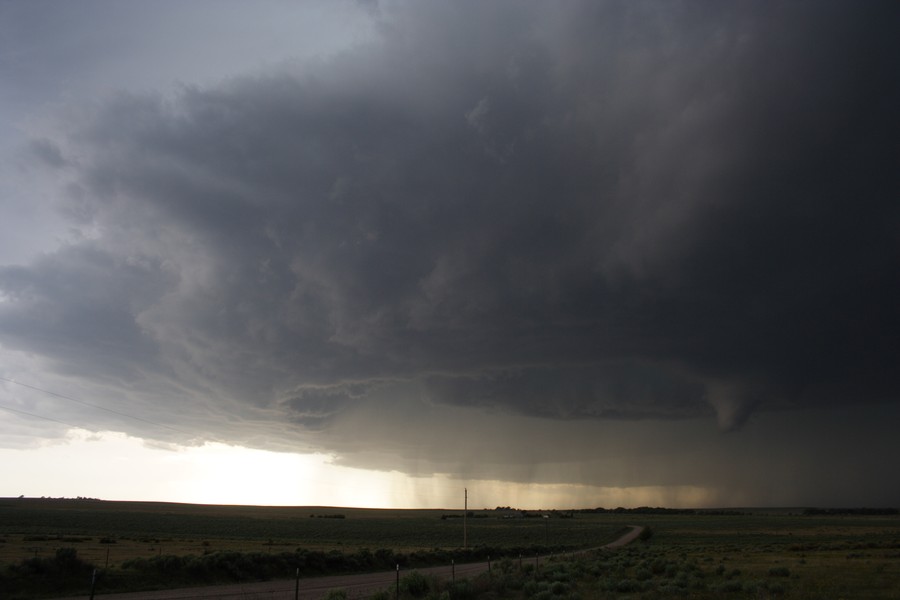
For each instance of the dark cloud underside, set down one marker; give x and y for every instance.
(607, 210)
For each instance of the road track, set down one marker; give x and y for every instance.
(314, 588)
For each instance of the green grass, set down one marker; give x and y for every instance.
(151, 545)
(127, 530)
(763, 555)
(772, 554)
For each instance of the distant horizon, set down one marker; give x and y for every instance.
(874, 509)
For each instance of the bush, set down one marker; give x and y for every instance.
(506, 565)
(775, 588)
(461, 590)
(414, 584)
(668, 589)
(559, 588)
(41, 576)
(730, 587)
(628, 585)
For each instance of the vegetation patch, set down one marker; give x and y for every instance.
(686, 555)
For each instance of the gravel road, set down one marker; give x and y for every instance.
(356, 586)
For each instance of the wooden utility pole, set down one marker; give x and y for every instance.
(465, 516)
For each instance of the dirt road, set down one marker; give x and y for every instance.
(356, 586)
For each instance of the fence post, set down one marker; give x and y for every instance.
(452, 570)
(93, 581)
(297, 585)
(398, 580)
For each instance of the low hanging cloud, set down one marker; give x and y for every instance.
(594, 211)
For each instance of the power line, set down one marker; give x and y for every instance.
(22, 412)
(82, 402)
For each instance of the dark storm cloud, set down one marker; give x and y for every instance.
(79, 307)
(616, 390)
(607, 210)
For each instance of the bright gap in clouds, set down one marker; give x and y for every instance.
(114, 466)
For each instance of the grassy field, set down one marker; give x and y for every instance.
(119, 531)
(759, 554)
(766, 555)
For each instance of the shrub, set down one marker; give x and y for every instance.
(780, 572)
(755, 587)
(730, 587)
(336, 595)
(628, 585)
(65, 571)
(658, 566)
(775, 587)
(514, 583)
(670, 590)
(530, 588)
(414, 584)
(559, 588)
(461, 590)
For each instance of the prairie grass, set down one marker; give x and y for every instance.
(769, 555)
(761, 554)
(702, 557)
(111, 533)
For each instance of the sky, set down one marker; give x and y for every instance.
(559, 254)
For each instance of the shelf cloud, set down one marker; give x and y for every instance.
(593, 214)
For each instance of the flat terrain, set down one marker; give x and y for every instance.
(751, 554)
(356, 586)
(110, 533)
